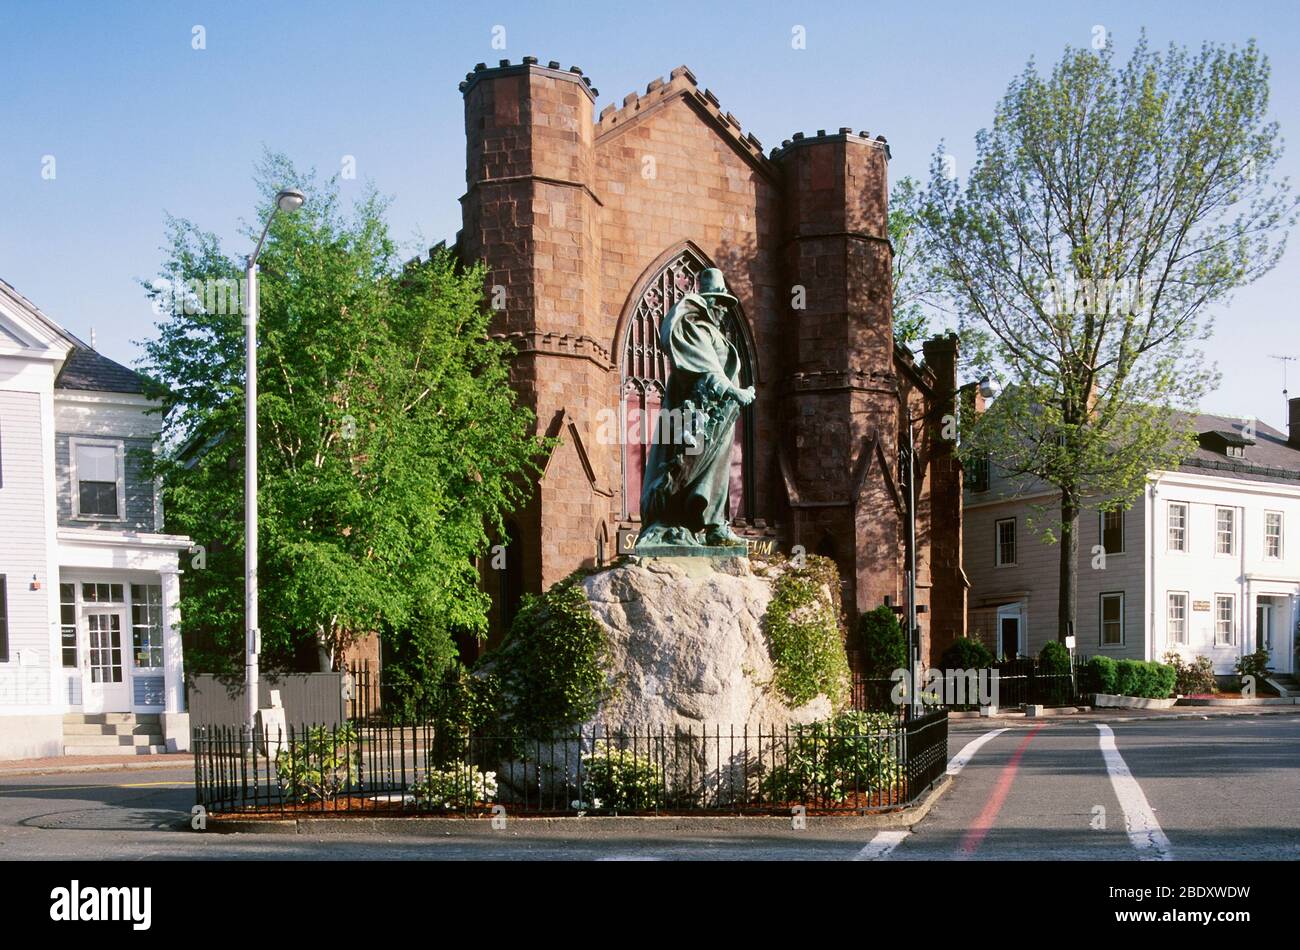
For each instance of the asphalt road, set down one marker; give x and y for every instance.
(1221, 788)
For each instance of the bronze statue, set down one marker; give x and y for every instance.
(684, 494)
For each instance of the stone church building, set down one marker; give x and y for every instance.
(593, 226)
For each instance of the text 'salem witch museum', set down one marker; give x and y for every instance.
(592, 228)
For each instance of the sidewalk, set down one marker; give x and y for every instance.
(1113, 714)
(95, 763)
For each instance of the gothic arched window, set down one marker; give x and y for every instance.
(644, 377)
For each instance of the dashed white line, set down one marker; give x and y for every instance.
(1144, 832)
(968, 751)
(880, 846)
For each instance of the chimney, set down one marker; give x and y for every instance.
(1293, 421)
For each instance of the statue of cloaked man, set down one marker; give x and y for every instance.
(688, 472)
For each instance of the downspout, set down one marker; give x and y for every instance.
(1152, 516)
(1242, 584)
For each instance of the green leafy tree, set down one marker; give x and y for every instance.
(390, 441)
(917, 281)
(1108, 207)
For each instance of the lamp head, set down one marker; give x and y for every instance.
(289, 200)
(988, 387)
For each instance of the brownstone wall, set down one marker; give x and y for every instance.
(573, 214)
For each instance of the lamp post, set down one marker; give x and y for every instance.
(288, 200)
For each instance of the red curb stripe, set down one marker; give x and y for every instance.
(981, 826)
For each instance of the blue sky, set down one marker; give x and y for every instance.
(140, 123)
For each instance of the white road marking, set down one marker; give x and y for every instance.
(880, 846)
(968, 751)
(1144, 832)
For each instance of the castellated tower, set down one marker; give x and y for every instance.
(842, 414)
(529, 212)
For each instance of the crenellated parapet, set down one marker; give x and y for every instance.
(681, 82)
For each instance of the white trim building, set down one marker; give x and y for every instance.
(1205, 562)
(89, 580)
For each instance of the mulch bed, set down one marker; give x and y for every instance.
(363, 806)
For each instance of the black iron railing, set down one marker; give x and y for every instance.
(384, 768)
(1012, 683)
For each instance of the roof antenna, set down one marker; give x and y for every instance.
(1285, 396)
(92, 339)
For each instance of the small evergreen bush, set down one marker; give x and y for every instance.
(881, 643)
(966, 653)
(1054, 658)
(1192, 678)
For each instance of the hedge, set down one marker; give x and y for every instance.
(1140, 678)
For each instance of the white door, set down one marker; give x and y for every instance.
(104, 684)
(1270, 631)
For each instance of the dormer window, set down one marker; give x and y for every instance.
(98, 487)
(1231, 444)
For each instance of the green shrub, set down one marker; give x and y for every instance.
(1054, 658)
(967, 653)
(803, 634)
(456, 785)
(464, 703)
(617, 780)
(1144, 679)
(831, 759)
(1192, 678)
(1253, 664)
(319, 764)
(881, 643)
(551, 666)
(1103, 675)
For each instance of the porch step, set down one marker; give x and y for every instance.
(1286, 684)
(110, 718)
(89, 729)
(112, 734)
(124, 750)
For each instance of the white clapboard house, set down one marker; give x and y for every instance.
(90, 651)
(1205, 562)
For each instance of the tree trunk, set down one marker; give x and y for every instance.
(324, 652)
(1068, 601)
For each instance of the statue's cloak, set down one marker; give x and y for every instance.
(688, 472)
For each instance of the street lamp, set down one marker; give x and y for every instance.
(288, 200)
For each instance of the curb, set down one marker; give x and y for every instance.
(520, 826)
(97, 767)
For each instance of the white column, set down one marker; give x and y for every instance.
(173, 661)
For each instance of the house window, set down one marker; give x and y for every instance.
(102, 594)
(146, 626)
(68, 623)
(1177, 526)
(977, 474)
(1112, 531)
(4, 619)
(1224, 524)
(97, 474)
(1112, 619)
(1225, 620)
(1272, 534)
(1005, 548)
(1176, 624)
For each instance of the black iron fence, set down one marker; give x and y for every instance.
(384, 768)
(1011, 683)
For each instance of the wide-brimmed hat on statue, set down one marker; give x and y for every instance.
(712, 284)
